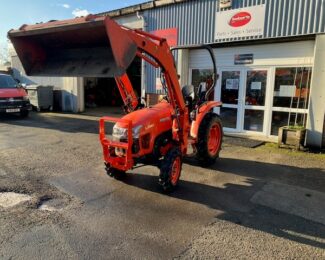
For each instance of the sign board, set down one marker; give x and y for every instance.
(232, 84)
(242, 22)
(241, 59)
(225, 4)
(287, 91)
(256, 85)
(171, 34)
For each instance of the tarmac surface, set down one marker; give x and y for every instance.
(254, 203)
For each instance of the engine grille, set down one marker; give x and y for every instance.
(12, 102)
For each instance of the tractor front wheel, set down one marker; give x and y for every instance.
(209, 139)
(114, 173)
(170, 170)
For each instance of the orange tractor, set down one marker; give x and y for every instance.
(159, 135)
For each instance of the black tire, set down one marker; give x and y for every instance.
(168, 178)
(204, 155)
(24, 113)
(115, 173)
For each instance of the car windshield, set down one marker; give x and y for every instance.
(7, 81)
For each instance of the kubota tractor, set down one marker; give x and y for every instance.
(159, 135)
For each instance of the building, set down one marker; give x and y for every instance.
(270, 58)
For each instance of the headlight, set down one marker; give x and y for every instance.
(25, 98)
(136, 131)
(122, 133)
(119, 133)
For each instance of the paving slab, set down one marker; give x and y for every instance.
(306, 203)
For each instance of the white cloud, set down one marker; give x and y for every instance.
(80, 12)
(65, 6)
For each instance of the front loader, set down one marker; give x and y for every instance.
(160, 135)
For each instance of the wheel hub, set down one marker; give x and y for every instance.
(176, 171)
(214, 139)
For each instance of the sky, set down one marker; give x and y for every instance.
(14, 13)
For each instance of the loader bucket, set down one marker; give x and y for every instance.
(81, 47)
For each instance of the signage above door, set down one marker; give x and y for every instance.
(240, 23)
(241, 59)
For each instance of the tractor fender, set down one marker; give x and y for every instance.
(202, 111)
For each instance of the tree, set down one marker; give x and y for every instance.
(4, 56)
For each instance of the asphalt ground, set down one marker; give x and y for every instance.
(254, 203)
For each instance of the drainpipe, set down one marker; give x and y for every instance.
(143, 63)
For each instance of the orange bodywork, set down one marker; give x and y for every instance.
(202, 111)
(122, 163)
(153, 121)
(128, 95)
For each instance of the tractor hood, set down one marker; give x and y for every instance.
(151, 116)
(82, 47)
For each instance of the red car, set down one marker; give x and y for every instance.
(13, 97)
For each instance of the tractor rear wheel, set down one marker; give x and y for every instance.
(209, 139)
(114, 173)
(170, 170)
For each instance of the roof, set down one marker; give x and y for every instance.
(140, 7)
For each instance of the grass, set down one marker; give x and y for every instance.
(274, 147)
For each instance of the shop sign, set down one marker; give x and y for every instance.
(232, 84)
(171, 34)
(241, 59)
(239, 23)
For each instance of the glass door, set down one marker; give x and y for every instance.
(255, 100)
(230, 94)
(243, 94)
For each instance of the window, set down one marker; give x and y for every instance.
(254, 120)
(230, 83)
(200, 75)
(292, 86)
(228, 117)
(7, 81)
(291, 97)
(280, 119)
(256, 87)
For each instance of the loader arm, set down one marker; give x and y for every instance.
(129, 97)
(158, 49)
(99, 47)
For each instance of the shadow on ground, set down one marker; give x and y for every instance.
(60, 122)
(311, 178)
(233, 200)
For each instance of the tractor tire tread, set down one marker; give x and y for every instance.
(116, 174)
(166, 169)
(203, 154)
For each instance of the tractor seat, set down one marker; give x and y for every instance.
(188, 95)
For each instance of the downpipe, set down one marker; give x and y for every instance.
(143, 63)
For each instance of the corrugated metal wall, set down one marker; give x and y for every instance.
(196, 21)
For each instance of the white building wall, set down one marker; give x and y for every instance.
(276, 54)
(316, 119)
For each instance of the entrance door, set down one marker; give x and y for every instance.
(231, 91)
(255, 100)
(243, 93)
